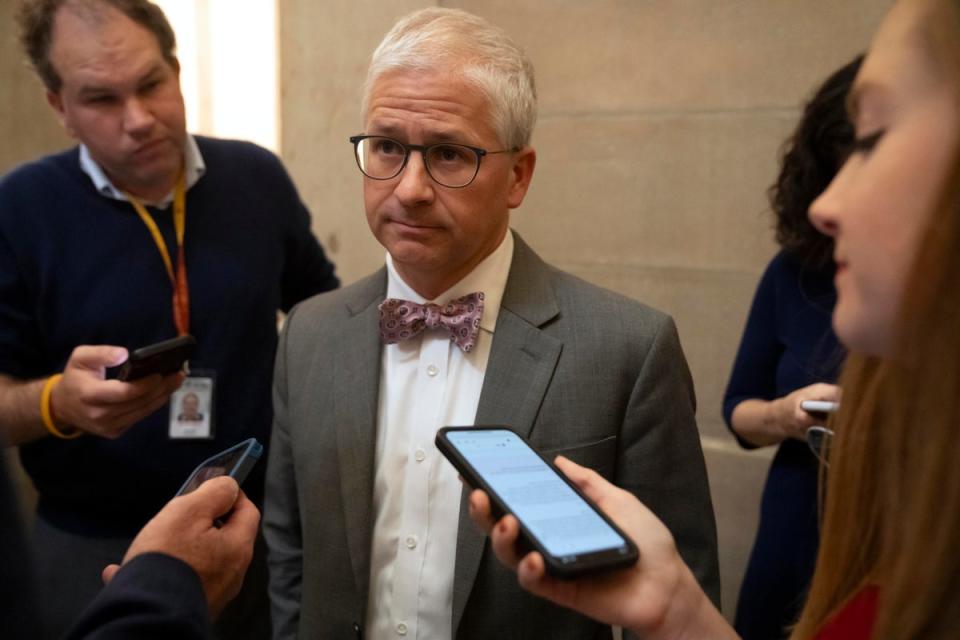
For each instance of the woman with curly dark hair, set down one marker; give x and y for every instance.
(789, 354)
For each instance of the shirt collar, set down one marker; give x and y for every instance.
(195, 168)
(490, 277)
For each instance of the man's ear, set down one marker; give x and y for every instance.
(524, 162)
(56, 103)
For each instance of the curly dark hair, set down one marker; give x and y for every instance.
(812, 156)
(36, 18)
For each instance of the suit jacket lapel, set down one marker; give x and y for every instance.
(522, 362)
(355, 397)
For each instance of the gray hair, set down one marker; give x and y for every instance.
(438, 39)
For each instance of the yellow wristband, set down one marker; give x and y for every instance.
(47, 416)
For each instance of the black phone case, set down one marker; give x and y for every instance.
(162, 357)
(590, 563)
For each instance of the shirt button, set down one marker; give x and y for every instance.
(401, 629)
(411, 542)
(420, 455)
(432, 370)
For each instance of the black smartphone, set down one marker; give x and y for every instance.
(556, 519)
(236, 462)
(162, 357)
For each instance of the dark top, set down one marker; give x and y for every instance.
(788, 343)
(152, 596)
(79, 268)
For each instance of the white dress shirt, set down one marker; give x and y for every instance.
(194, 168)
(425, 383)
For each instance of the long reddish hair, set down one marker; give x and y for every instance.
(892, 498)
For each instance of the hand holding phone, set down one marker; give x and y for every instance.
(164, 358)
(570, 532)
(656, 596)
(186, 528)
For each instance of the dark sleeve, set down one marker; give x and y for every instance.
(754, 372)
(306, 269)
(19, 616)
(154, 596)
(18, 335)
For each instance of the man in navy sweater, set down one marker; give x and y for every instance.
(141, 233)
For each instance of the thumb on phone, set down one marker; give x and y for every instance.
(213, 498)
(96, 358)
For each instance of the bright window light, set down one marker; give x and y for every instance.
(228, 66)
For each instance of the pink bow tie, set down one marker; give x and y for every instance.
(402, 319)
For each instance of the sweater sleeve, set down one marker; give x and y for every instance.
(20, 352)
(754, 372)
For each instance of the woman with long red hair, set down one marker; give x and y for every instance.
(889, 562)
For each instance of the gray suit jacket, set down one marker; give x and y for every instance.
(577, 369)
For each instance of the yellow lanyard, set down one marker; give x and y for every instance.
(178, 278)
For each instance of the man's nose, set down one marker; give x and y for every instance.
(415, 186)
(137, 116)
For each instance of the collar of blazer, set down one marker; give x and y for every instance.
(529, 293)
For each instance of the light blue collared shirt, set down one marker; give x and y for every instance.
(195, 168)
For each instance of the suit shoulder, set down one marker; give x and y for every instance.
(339, 303)
(586, 300)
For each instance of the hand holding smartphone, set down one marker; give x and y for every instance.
(570, 532)
(164, 358)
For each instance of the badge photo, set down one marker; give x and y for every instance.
(191, 408)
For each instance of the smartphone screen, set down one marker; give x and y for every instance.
(550, 509)
(235, 461)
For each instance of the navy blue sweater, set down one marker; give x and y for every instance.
(79, 268)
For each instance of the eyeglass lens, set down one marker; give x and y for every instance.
(451, 165)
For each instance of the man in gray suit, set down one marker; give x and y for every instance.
(365, 520)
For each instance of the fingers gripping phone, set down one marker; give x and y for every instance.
(162, 357)
(556, 519)
(236, 462)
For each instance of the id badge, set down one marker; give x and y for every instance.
(191, 407)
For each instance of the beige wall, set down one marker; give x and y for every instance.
(659, 126)
(27, 126)
(658, 131)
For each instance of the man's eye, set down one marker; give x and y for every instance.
(387, 147)
(450, 154)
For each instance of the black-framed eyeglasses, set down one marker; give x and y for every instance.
(452, 165)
